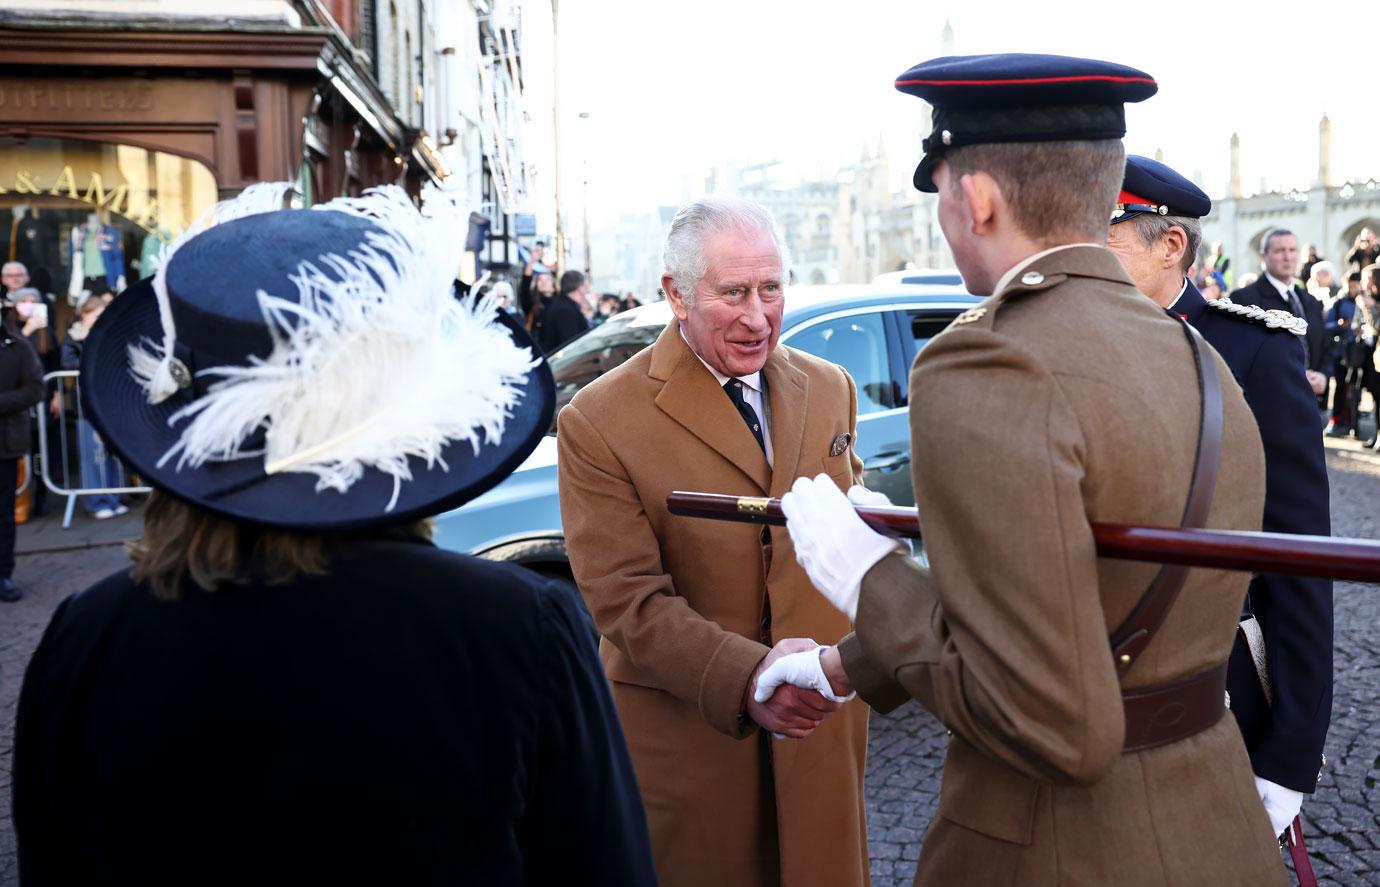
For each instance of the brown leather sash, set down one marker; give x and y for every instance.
(1170, 712)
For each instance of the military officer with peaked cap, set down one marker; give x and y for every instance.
(1084, 698)
(1155, 232)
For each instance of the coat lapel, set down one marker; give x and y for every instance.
(692, 397)
(788, 391)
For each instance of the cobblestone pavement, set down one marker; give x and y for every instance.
(1341, 821)
(906, 748)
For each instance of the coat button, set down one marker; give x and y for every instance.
(1032, 278)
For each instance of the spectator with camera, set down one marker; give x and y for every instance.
(1364, 251)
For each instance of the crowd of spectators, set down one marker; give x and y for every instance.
(1351, 321)
(556, 307)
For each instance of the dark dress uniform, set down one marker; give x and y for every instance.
(1264, 294)
(1285, 738)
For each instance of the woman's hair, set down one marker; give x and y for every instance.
(182, 542)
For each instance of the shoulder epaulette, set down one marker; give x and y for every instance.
(1274, 318)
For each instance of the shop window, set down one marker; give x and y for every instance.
(84, 215)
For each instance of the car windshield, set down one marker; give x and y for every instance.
(600, 350)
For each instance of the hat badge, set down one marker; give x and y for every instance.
(946, 137)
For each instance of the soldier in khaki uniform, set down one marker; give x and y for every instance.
(1088, 744)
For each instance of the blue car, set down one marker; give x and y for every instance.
(872, 331)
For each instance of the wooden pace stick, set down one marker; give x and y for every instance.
(1357, 560)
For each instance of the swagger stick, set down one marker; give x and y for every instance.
(1355, 559)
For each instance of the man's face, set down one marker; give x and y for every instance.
(735, 320)
(1282, 257)
(957, 224)
(14, 277)
(1135, 256)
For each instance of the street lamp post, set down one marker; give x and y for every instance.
(556, 130)
(584, 199)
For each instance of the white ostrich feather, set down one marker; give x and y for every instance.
(153, 368)
(373, 365)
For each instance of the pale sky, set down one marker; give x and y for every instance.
(673, 89)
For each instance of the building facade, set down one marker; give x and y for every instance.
(127, 119)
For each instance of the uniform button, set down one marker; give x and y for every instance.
(1032, 278)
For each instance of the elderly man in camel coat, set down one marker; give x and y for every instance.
(690, 611)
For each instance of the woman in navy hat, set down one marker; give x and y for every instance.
(290, 685)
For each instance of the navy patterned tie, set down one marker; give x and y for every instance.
(734, 388)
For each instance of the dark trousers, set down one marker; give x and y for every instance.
(9, 479)
(1341, 396)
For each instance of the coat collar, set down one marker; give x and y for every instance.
(1190, 304)
(692, 397)
(1050, 268)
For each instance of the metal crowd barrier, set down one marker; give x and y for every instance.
(63, 455)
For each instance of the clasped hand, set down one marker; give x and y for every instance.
(784, 709)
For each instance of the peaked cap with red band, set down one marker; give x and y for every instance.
(1020, 97)
(1151, 187)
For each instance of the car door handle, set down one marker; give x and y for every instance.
(886, 462)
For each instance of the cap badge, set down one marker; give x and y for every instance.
(178, 372)
(970, 315)
(946, 137)
(1032, 278)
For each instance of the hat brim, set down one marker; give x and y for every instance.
(141, 433)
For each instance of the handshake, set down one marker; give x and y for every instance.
(796, 686)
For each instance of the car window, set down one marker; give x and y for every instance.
(925, 326)
(596, 352)
(858, 344)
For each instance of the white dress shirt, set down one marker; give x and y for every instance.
(752, 393)
(1285, 290)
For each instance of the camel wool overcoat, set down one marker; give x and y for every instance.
(687, 608)
(1066, 398)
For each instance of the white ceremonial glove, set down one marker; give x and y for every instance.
(1282, 804)
(860, 495)
(800, 670)
(831, 542)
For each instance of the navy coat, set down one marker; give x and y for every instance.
(417, 717)
(1264, 294)
(1295, 613)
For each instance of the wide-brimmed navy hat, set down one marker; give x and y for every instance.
(312, 368)
(1151, 187)
(1020, 97)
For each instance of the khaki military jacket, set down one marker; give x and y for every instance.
(680, 604)
(1066, 398)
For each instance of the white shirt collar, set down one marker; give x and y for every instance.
(1284, 288)
(1025, 263)
(752, 380)
(1183, 289)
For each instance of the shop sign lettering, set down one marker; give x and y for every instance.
(40, 96)
(115, 198)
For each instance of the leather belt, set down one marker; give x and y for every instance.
(1169, 712)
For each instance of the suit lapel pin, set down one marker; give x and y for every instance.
(840, 444)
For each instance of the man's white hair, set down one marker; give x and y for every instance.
(697, 221)
(14, 265)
